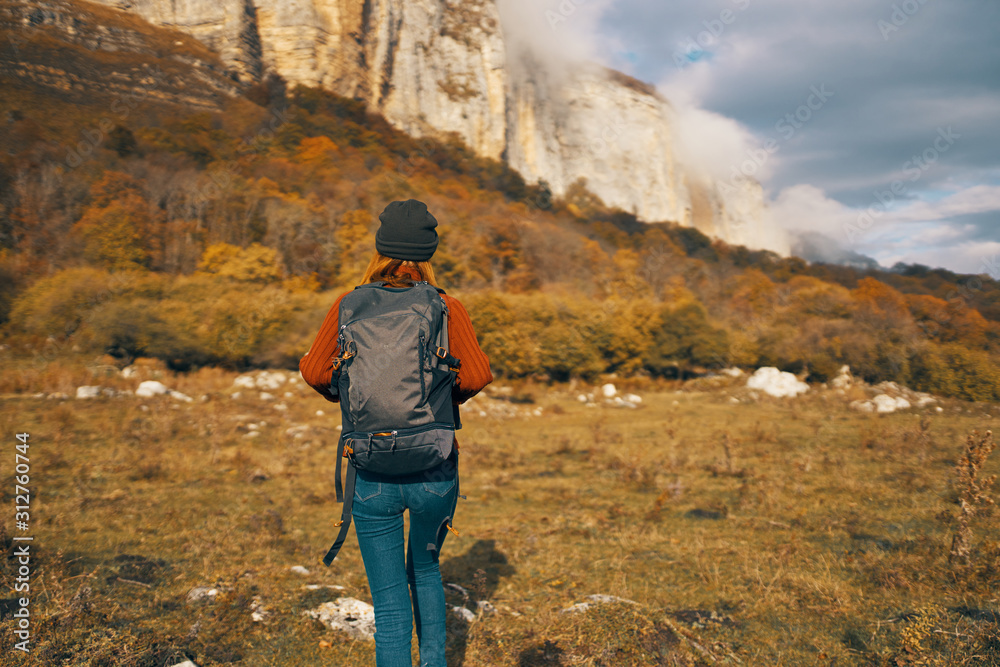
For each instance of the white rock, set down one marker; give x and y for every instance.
(844, 378)
(129, 372)
(298, 569)
(258, 612)
(608, 390)
(633, 398)
(186, 663)
(885, 403)
(464, 613)
(923, 400)
(88, 391)
(776, 383)
(265, 396)
(316, 587)
(939, 409)
(595, 600)
(151, 388)
(354, 617)
(320, 413)
(270, 380)
(863, 406)
(732, 372)
(485, 607)
(582, 398)
(734, 400)
(199, 593)
(180, 397)
(244, 381)
(236, 395)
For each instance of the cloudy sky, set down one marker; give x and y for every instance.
(874, 122)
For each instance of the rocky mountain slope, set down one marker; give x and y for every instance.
(88, 54)
(436, 66)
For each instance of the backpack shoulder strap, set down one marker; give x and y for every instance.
(345, 515)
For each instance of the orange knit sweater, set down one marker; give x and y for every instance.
(316, 366)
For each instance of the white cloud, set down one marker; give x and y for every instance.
(915, 232)
(977, 199)
(710, 144)
(967, 257)
(558, 32)
(807, 208)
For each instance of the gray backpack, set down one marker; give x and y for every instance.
(394, 378)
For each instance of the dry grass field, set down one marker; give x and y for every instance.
(763, 532)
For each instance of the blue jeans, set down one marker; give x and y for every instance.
(379, 502)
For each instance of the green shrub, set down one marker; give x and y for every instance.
(685, 337)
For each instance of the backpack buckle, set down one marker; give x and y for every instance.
(440, 353)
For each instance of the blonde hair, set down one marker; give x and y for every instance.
(391, 271)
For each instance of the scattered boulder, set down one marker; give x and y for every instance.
(258, 612)
(593, 600)
(150, 388)
(609, 390)
(844, 378)
(268, 380)
(464, 613)
(620, 402)
(886, 403)
(95, 391)
(88, 392)
(352, 616)
(732, 372)
(298, 569)
(776, 383)
(186, 663)
(244, 382)
(203, 594)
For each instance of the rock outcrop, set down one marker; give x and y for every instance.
(437, 67)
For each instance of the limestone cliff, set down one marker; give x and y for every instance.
(437, 66)
(89, 54)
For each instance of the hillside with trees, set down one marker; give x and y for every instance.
(221, 237)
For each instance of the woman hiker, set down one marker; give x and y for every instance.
(404, 244)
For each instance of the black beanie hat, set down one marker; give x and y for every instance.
(407, 231)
